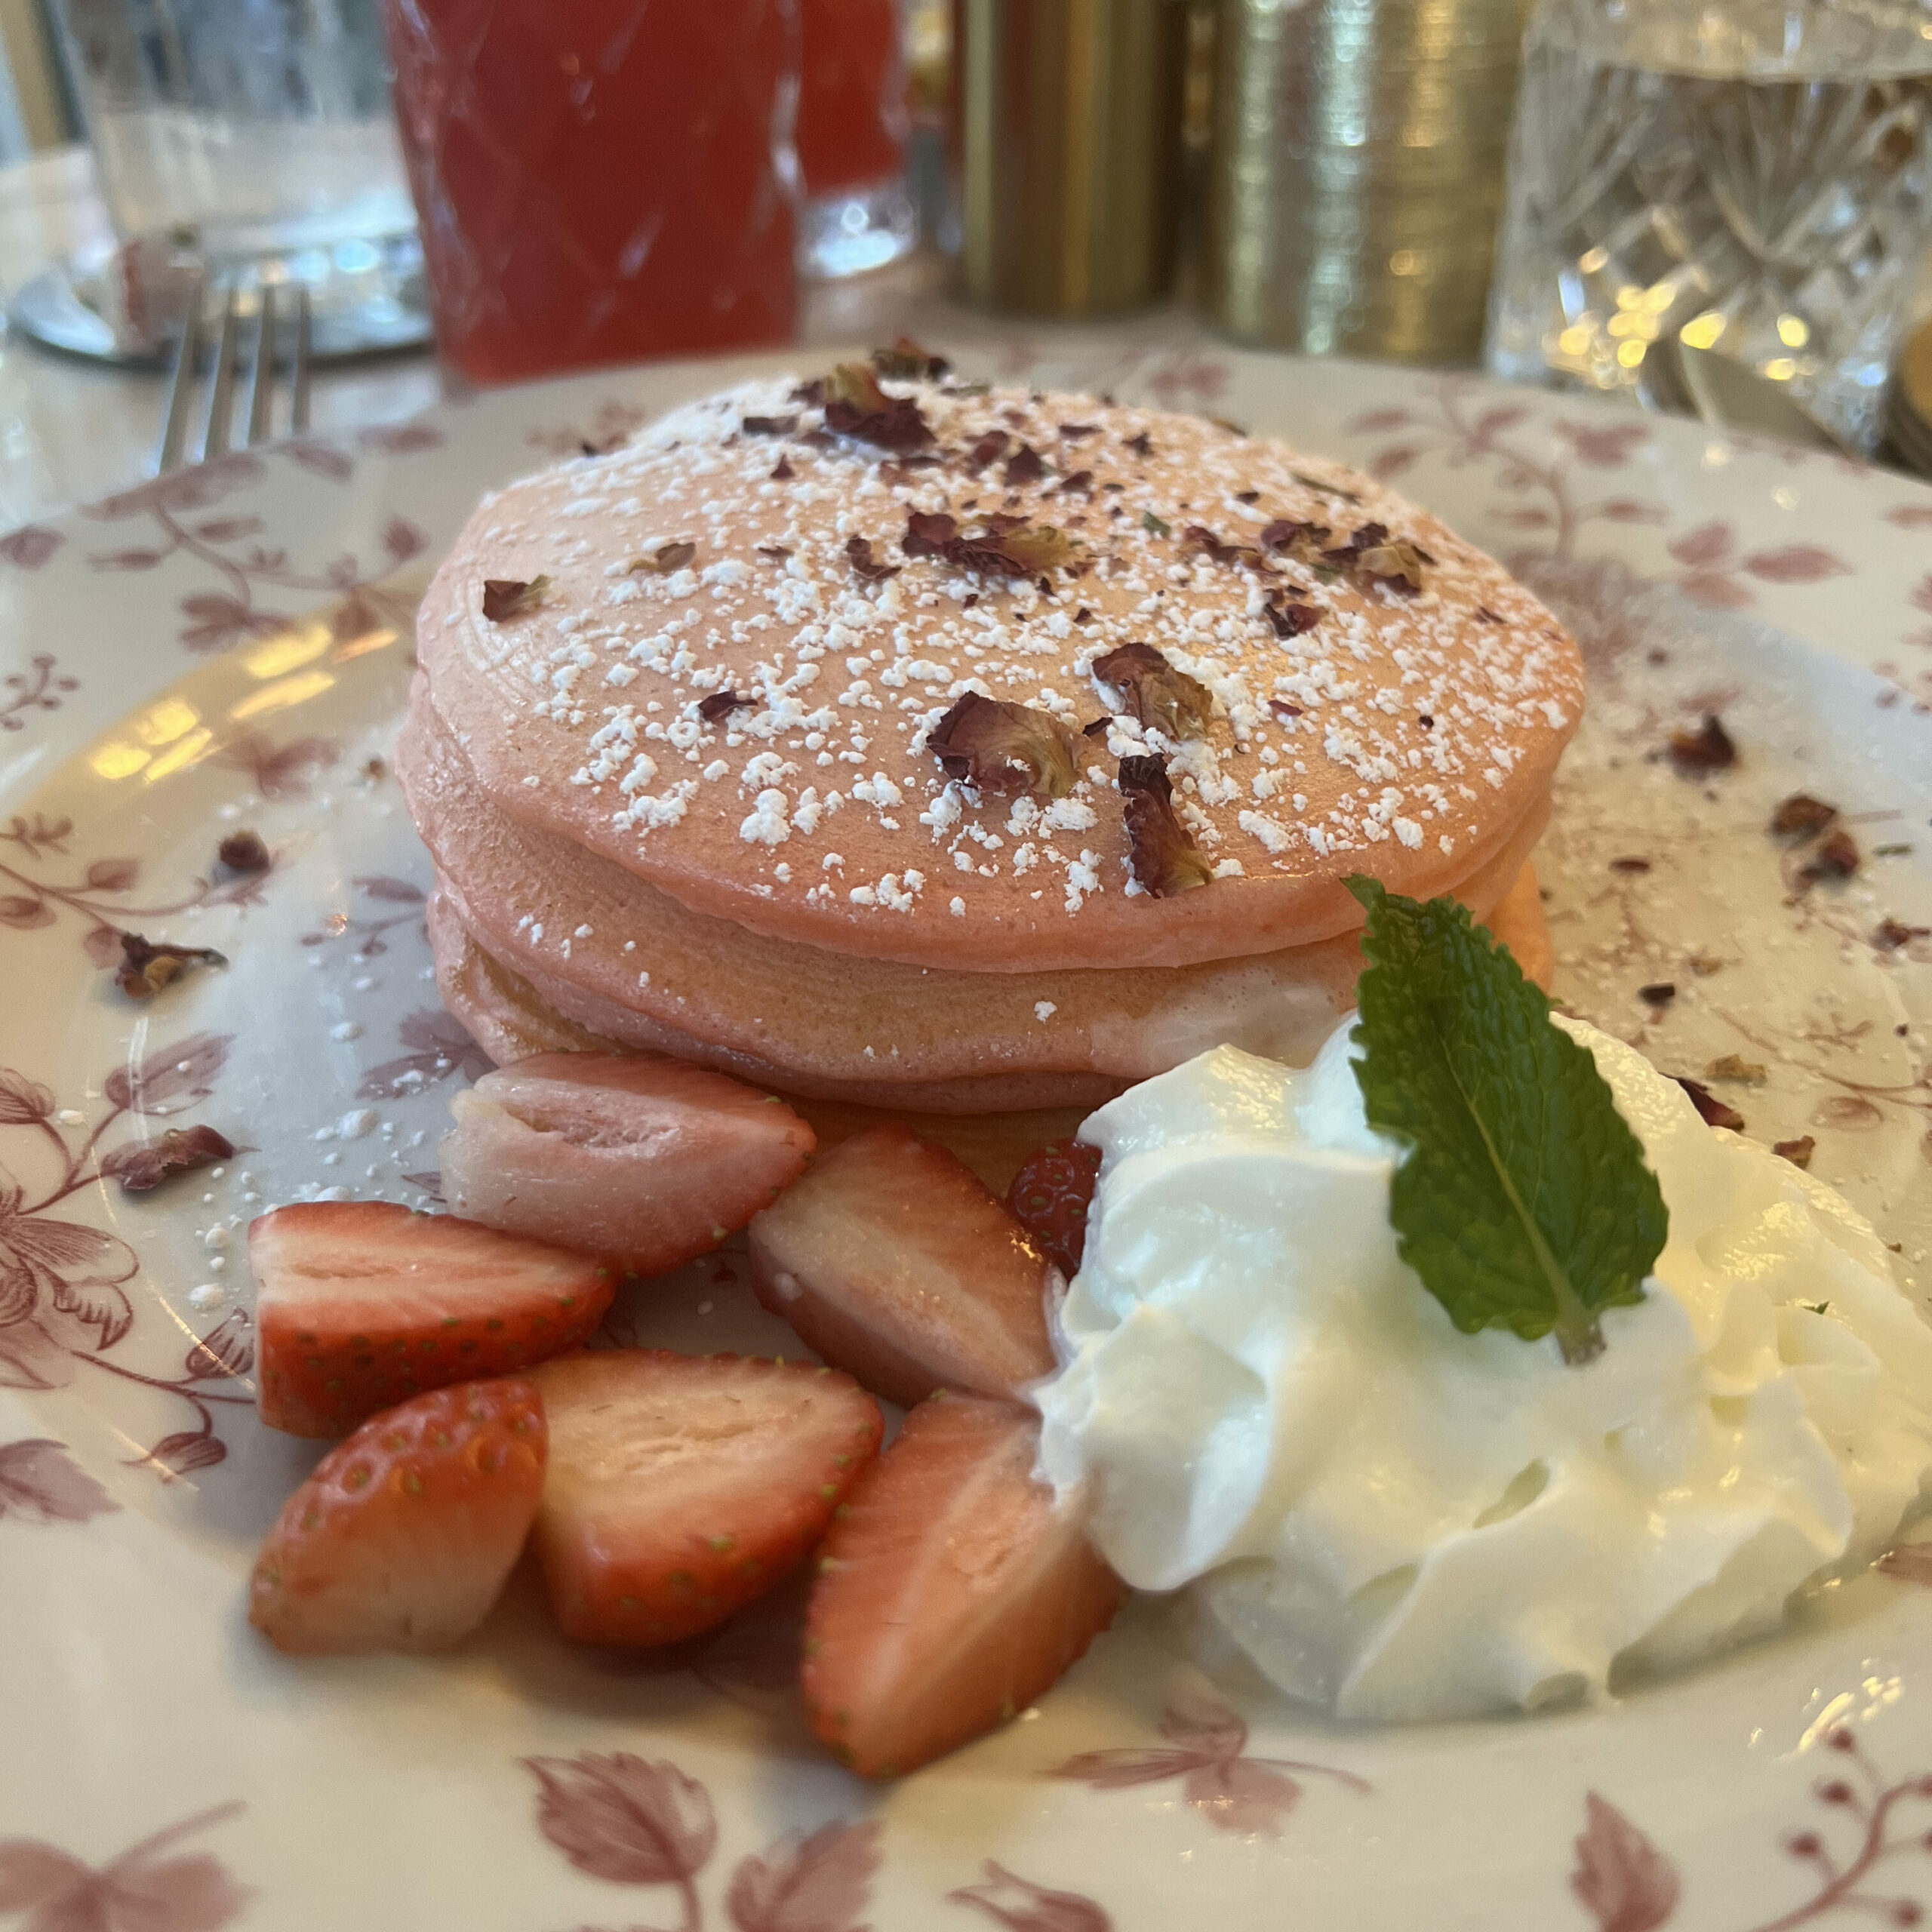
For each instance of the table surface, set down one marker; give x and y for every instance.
(72, 431)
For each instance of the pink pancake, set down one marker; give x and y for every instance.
(606, 951)
(1412, 736)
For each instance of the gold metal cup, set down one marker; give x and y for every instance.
(1357, 173)
(1068, 128)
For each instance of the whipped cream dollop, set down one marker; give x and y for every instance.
(1398, 1521)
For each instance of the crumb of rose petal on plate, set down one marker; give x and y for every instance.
(361, 1304)
(403, 1535)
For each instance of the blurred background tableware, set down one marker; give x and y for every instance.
(238, 407)
(853, 125)
(252, 139)
(1067, 134)
(1751, 179)
(1910, 418)
(600, 180)
(1356, 173)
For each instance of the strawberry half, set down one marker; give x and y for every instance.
(1050, 1196)
(361, 1304)
(649, 1161)
(892, 1260)
(683, 1486)
(951, 1591)
(401, 1537)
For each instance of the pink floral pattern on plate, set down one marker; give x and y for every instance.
(29, 900)
(150, 1887)
(39, 687)
(1627, 1884)
(64, 1303)
(1207, 1748)
(1019, 1904)
(40, 1482)
(227, 545)
(632, 1822)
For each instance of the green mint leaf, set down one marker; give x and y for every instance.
(1524, 1202)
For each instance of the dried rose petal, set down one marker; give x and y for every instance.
(1080, 484)
(1024, 466)
(1164, 859)
(1399, 564)
(1000, 546)
(244, 852)
(1798, 1153)
(1745, 1072)
(775, 553)
(1040, 548)
(769, 425)
(1281, 708)
(1291, 619)
(1711, 1110)
(1707, 748)
(1157, 693)
(1892, 934)
(856, 406)
(1631, 866)
(1836, 857)
(1801, 815)
(179, 1151)
(1074, 431)
(1201, 538)
(504, 598)
(1303, 539)
(989, 448)
(782, 471)
(928, 533)
(1345, 556)
(145, 967)
(664, 561)
(1661, 994)
(1140, 444)
(858, 555)
(906, 361)
(1001, 749)
(721, 704)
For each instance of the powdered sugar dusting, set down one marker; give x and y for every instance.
(769, 681)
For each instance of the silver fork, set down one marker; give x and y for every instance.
(246, 352)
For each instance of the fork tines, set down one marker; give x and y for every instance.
(248, 348)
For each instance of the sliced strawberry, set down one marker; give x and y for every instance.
(1050, 1197)
(891, 1259)
(650, 1161)
(360, 1304)
(951, 1591)
(683, 1486)
(402, 1536)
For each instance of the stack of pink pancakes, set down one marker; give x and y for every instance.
(794, 738)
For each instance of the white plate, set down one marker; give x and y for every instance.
(161, 1771)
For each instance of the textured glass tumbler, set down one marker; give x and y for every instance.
(251, 130)
(600, 180)
(853, 126)
(1749, 179)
